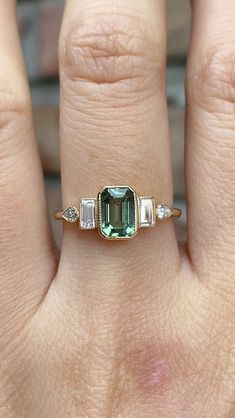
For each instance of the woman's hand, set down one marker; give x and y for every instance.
(136, 329)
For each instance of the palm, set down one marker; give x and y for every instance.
(134, 329)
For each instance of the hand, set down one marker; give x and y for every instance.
(136, 329)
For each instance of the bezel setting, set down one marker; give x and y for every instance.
(118, 214)
(163, 212)
(90, 222)
(71, 214)
(149, 221)
(100, 220)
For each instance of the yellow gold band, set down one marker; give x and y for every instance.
(59, 214)
(117, 212)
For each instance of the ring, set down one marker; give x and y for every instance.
(118, 213)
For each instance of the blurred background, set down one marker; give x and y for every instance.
(39, 22)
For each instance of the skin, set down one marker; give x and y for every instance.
(140, 329)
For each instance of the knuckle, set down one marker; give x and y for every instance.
(212, 82)
(117, 50)
(15, 121)
(15, 129)
(13, 108)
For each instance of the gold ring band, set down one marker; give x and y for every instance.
(176, 213)
(59, 214)
(117, 213)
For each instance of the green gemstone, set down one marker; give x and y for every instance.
(118, 212)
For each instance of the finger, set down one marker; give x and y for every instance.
(114, 125)
(25, 251)
(210, 136)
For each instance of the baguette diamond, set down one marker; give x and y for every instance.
(147, 212)
(87, 214)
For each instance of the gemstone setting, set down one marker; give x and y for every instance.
(71, 214)
(163, 212)
(118, 212)
(88, 213)
(147, 212)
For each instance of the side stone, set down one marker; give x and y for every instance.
(147, 212)
(87, 214)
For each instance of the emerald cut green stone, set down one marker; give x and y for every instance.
(117, 212)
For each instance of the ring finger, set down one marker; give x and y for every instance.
(114, 124)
